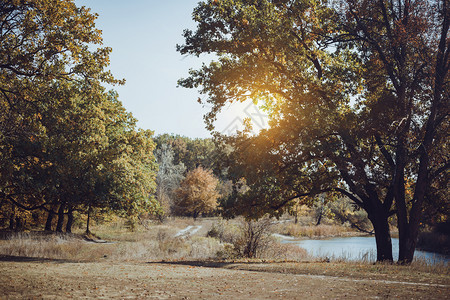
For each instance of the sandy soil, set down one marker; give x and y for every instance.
(25, 278)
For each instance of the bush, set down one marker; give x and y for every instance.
(254, 238)
(248, 238)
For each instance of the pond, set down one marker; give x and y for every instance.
(358, 248)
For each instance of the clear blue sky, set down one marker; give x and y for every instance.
(143, 35)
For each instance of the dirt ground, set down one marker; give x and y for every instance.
(27, 278)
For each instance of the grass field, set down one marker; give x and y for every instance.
(153, 262)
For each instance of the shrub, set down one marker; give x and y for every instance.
(254, 238)
(248, 238)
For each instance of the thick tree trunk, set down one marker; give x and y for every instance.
(59, 225)
(408, 224)
(382, 238)
(408, 234)
(69, 220)
(48, 223)
(408, 241)
(407, 248)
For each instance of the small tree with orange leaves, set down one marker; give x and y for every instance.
(197, 193)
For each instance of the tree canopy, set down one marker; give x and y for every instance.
(191, 152)
(65, 142)
(357, 93)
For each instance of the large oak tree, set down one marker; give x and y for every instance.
(358, 97)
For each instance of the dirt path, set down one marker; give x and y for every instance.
(28, 278)
(190, 230)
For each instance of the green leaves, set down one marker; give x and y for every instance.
(353, 90)
(64, 140)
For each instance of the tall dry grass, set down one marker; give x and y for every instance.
(156, 243)
(161, 244)
(54, 246)
(311, 231)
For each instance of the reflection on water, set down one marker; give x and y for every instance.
(357, 248)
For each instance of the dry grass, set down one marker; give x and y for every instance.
(311, 231)
(55, 246)
(162, 245)
(284, 252)
(415, 272)
(184, 280)
(156, 243)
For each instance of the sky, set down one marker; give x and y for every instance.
(143, 35)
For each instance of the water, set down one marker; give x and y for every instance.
(359, 248)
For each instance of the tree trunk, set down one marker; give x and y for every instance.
(319, 219)
(408, 242)
(19, 224)
(407, 248)
(408, 225)
(321, 209)
(12, 217)
(69, 220)
(48, 224)
(11, 222)
(382, 237)
(59, 225)
(88, 220)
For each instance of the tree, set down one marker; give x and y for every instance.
(168, 179)
(66, 144)
(191, 152)
(344, 211)
(42, 44)
(197, 193)
(356, 91)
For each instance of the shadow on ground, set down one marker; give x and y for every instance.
(217, 264)
(25, 259)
